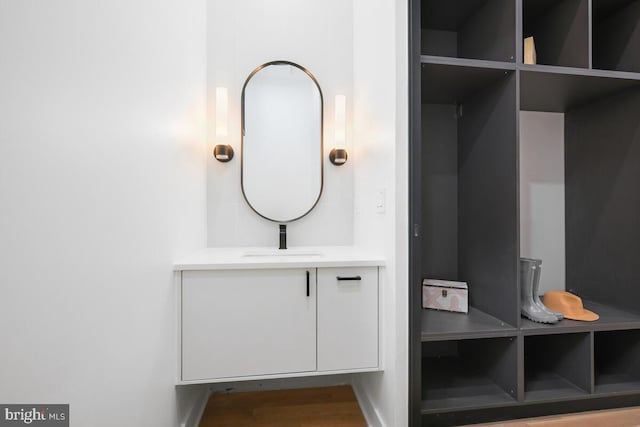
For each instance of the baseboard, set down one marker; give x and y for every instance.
(197, 409)
(371, 414)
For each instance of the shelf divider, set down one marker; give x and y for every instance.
(465, 62)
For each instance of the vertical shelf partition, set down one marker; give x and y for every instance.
(467, 93)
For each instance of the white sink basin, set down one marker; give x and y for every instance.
(282, 253)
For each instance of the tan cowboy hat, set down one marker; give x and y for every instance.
(570, 305)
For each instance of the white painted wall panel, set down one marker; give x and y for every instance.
(102, 187)
(241, 36)
(381, 151)
(542, 203)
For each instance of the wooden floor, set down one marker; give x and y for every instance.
(311, 407)
(338, 407)
(629, 417)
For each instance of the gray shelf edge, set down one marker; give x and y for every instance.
(469, 335)
(537, 68)
(446, 410)
(466, 62)
(597, 394)
(580, 329)
(526, 332)
(574, 71)
(567, 398)
(586, 396)
(631, 322)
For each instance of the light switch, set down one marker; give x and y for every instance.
(381, 202)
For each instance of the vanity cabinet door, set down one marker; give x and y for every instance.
(247, 322)
(347, 318)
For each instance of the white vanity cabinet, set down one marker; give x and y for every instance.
(347, 318)
(248, 322)
(259, 320)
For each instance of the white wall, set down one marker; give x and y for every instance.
(241, 36)
(102, 182)
(381, 158)
(542, 207)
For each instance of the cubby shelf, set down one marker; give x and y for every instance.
(467, 374)
(548, 386)
(616, 39)
(438, 325)
(560, 29)
(557, 366)
(475, 92)
(465, 62)
(461, 388)
(455, 29)
(617, 361)
(611, 319)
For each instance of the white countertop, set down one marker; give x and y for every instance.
(263, 257)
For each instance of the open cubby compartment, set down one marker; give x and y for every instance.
(617, 361)
(557, 366)
(602, 203)
(468, 374)
(560, 30)
(602, 170)
(616, 35)
(561, 90)
(468, 184)
(475, 29)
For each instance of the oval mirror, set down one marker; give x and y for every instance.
(281, 160)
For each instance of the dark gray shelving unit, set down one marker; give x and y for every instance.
(468, 86)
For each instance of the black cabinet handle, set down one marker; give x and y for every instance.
(350, 278)
(307, 283)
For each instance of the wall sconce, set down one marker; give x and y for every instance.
(221, 152)
(338, 155)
